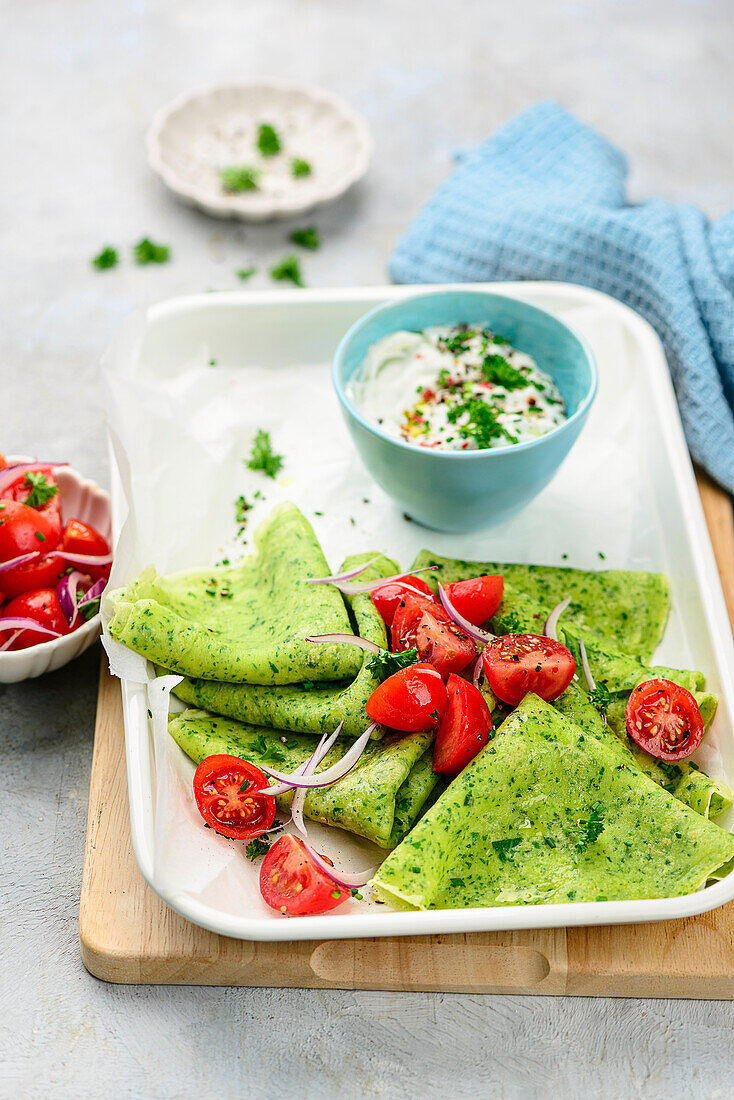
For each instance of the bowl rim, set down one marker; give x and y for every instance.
(10, 656)
(481, 453)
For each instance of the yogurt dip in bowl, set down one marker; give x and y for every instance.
(463, 403)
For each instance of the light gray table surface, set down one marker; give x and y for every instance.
(80, 80)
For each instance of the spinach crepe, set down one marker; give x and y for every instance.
(380, 798)
(247, 623)
(627, 609)
(307, 708)
(546, 813)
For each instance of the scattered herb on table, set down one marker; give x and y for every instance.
(268, 141)
(148, 252)
(263, 457)
(106, 259)
(41, 491)
(240, 177)
(241, 508)
(308, 237)
(300, 168)
(245, 272)
(288, 268)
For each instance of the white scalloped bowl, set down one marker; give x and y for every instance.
(195, 136)
(80, 499)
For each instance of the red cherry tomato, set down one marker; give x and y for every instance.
(408, 614)
(465, 727)
(411, 700)
(387, 597)
(3, 462)
(477, 599)
(443, 646)
(664, 719)
(44, 608)
(292, 883)
(25, 530)
(81, 538)
(519, 663)
(231, 796)
(21, 488)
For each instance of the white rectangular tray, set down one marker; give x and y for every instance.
(627, 491)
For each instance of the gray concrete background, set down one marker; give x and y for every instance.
(79, 80)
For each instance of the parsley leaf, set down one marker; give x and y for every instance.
(268, 750)
(288, 268)
(41, 490)
(307, 237)
(601, 697)
(238, 178)
(481, 426)
(105, 259)
(300, 168)
(591, 827)
(497, 370)
(262, 456)
(241, 508)
(268, 141)
(386, 664)
(148, 252)
(256, 848)
(245, 272)
(503, 848)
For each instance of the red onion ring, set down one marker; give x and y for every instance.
(9, 641)
(347, 639)
(12, 562)
(82, 559)
(16, 622)
(551, 623)
(478, 670)
(321, 750)
(10, 473)
(341, 576)
(94, 592)
(66, 593)
(331, 775)
(367, 586)
(341, 878)
(474, 632)
(299, 798)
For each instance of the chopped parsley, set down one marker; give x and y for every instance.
(336, 893)
(481, 424)
(386, 664)
(591, 827)
(40, 537)
(240, 177)
(497, 370)
(356, 894)
(262, 456)
(89, 608)
(245, 272)
(511, 623)
(288, 268)
(268, 750)
(601, 697)
(257, 848)
(148, 252)
(308, 237)
(42, 491)
(503, 848)
(106, 259)
(241, 508)
(300, 168)
(268, 141)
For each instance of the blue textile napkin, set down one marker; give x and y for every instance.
(545, 199)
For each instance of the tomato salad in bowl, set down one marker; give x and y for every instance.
(54, 565)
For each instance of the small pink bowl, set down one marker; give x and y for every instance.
(80, 499)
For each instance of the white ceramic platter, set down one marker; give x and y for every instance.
(627, 490)
(195, 136)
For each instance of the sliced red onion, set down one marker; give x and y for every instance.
(94, 592)
(347, 639)
(66, 593)
(20, 560)
(341, 576)
(369, 586)
(299, 798)
(341, 878)
(82, 559)
(321, 750)
(551, 623)
(590, 681)
(9, 641)
(478, 671)
(474, 632)
(16, 622)
(10, 473)
(331, 775)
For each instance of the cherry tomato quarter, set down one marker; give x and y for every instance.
(408, 614)
(41, 605)
(464, 729)
(292, 884)
(664, 719)
(387, 597)
(82, 538)
(442, 645)
(516, 664)
(477, 599)
(232, 797)
(412, 700)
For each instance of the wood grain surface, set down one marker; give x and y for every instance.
(129, 935)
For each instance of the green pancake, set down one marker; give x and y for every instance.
(306, 708)
(627, 609)
(380, 799)
(546, 813)
(247, 623)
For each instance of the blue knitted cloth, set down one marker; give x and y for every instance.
(545, 199)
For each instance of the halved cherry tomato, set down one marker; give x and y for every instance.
(231, 797)
(408, 614)
(44, 608)
(21, 488)
(412, 699)
(442, 645)
(82, 538)
(664, 719)
(24, 530)
(516, 664)
(477, 599)
(465, 727)
(387, 597)
(291, 882)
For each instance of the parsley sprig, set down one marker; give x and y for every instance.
(601, 697)
(263, 457)
(106, 259)
(481, 423)
(239, 177)
(289, 268)
(499, 372)
(257, 848)
(300, 168)
(386, 664)
(42, 491)
(147, 251)
(589, 829)
(268, 141)
(308, 237)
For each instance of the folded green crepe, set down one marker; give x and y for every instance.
(627, 609)
(620, 674)
(380, 799)
(546, 813)
(306, 708)
(247, 623)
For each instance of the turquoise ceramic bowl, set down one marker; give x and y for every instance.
(468, 490)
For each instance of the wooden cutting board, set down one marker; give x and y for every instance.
(129, 935)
